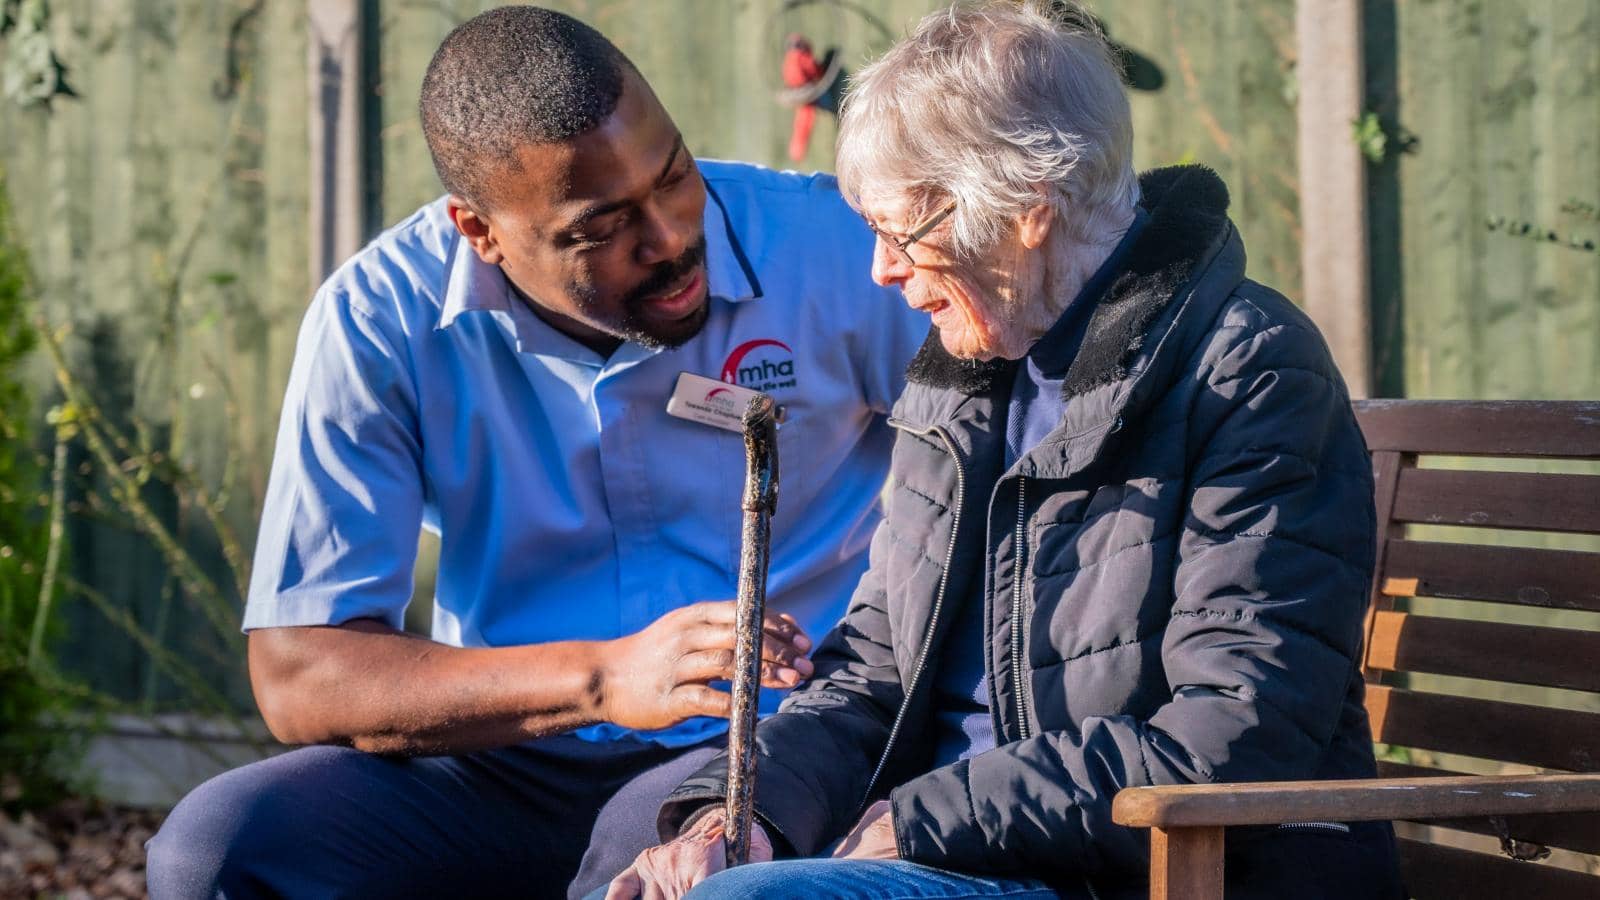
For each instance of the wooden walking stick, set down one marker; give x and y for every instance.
(760, 502)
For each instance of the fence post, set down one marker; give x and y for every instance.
(335, 64)
(1333, 185)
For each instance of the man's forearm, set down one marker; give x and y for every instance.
(366, 685)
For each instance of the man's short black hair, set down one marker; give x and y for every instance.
(510, 77)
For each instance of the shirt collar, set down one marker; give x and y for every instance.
(476, 285)
(472, 285)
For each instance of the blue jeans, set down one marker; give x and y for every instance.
(810, 879)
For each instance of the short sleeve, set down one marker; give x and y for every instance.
(343, 510)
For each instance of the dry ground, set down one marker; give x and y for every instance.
(75, 850)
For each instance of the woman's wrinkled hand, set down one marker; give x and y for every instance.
(873, 836)
(670, 870)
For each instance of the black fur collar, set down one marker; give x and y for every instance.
(1188, 210)
(934, 366)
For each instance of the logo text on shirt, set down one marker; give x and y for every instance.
(764, 364)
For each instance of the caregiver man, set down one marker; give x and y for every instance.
(535, 367)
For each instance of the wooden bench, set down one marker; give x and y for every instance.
(1554, 734)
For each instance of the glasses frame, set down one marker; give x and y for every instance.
(900, 247)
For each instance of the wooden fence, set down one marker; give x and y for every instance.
(167, 207)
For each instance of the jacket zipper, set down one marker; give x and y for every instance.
(1019, 620)
(1019, 624)
(938, 602)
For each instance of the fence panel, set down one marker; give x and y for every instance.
(1501, 105)
(166, 213)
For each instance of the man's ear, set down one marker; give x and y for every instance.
(1034, 224)
(475, 228)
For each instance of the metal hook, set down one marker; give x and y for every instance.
(1522, 851)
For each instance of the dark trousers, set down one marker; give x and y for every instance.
(549, 818)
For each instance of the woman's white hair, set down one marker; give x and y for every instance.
(987, 104)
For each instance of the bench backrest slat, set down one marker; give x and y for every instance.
(1556, 429)
(1522, 501)
(1441, 871)
(1526, 576)
(1520, 733)
(1491, 651)
(1419, 649)
(1570, 831)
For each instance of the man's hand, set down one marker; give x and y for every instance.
(670, 870)
(873, 836)
(659, 676)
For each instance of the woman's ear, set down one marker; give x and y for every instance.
(1033, 225)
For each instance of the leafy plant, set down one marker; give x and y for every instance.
(33, 751)
(30, 71)
(137, 476)
(1370, 137)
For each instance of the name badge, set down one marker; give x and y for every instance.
(711, 402)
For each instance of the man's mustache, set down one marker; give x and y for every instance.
(668, 273)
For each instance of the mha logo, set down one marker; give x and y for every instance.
(762, 365)
(721, 400)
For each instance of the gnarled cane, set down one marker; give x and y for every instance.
(760, 502)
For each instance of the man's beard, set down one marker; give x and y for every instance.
(633, 326)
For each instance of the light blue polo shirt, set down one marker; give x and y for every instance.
(569, 504)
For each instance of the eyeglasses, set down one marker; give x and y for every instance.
(900, 247)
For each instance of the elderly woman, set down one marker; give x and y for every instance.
(1129, 530)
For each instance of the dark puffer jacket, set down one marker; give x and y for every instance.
(1196, 539)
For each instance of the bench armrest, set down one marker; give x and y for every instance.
(1275, 802)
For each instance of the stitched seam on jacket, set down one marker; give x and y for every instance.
(1089, 429)
(921, 551)
(1224, 537)
(1252, 331)
(1256, 373)
(972, 802)
(1144, 763)
(1131, 642)
(1104, 559)
(1265, 314)
(902, 485)
(1242, 616)
(1199, 765)
(1284, 451)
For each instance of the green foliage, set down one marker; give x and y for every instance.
(31, 750)
(1391, 753)
(1370, 137)
(30, 71)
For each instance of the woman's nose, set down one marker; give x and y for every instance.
(888, 268)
